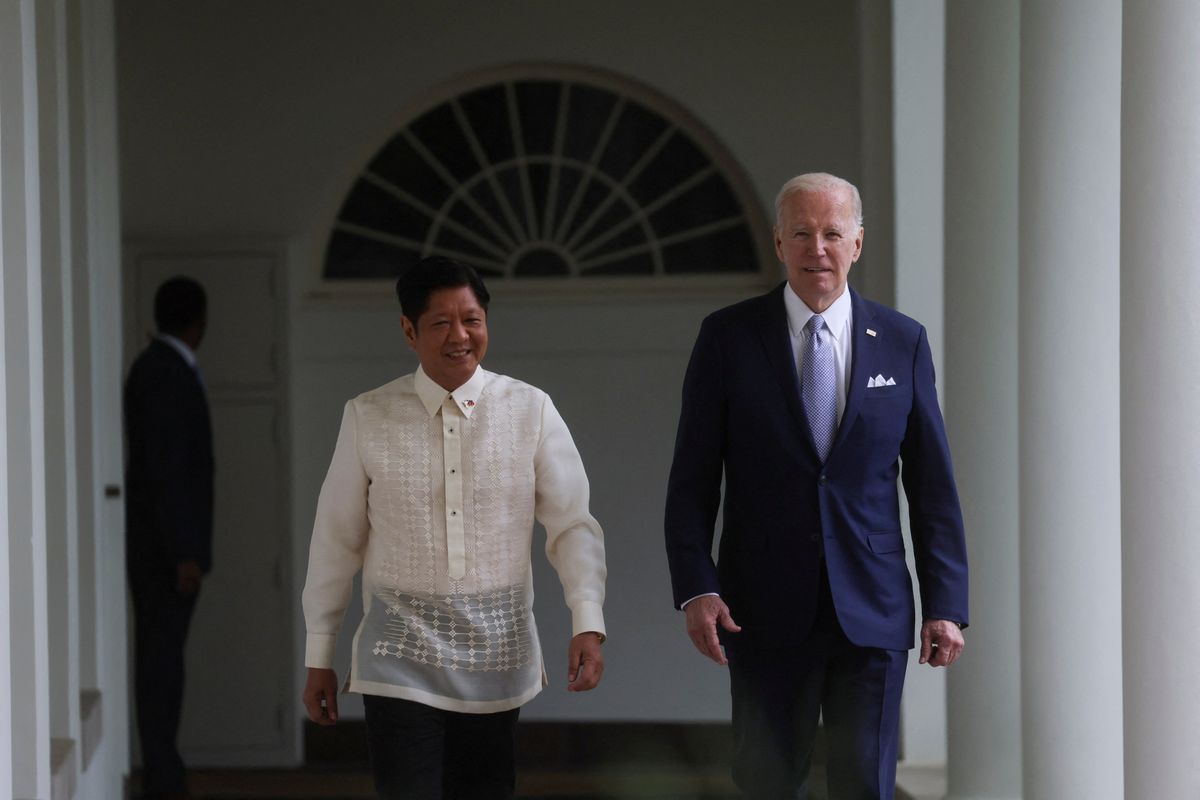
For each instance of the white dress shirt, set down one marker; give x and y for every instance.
(179, 347)
(433, 495)
(837, 320)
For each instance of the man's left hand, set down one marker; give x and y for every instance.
(941, 642)
(585, 663)
(188, 576)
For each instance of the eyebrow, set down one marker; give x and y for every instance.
(831, 227)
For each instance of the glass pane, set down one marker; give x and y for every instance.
(399, 164)
(372, 207)
(538, 105)
(485, 110)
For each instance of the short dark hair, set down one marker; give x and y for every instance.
(422, 279)
(179, 303)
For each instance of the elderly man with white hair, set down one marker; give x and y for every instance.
(806, 404)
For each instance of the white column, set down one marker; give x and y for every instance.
(28, 697)
(918, 59)
(1069, 411)
(6, 643)
(1160, 383)
(101, 206)
(57, 358)
(86, 496)
(982, 97)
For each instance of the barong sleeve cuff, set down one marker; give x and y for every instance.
(587, 616)
(318, 650)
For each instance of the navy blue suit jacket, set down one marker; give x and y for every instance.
(169, 470)
(742, 421)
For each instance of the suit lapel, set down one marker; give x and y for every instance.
(863, 347)
(776, 341)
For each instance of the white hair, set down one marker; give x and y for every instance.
(819, 182)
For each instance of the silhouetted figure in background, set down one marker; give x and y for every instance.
(169, 515)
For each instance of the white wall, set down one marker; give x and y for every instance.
(271, 107)
(252, 119)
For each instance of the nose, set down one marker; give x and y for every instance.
(457, 330)
(816, 245)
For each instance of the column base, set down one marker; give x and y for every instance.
(921, 781)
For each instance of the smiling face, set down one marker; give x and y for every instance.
(818, 239)
(450, 337)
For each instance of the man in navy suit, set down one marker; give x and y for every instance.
(168, 516)
(809, 402)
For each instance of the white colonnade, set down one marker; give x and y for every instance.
(63, 724)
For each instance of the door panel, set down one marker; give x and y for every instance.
(239, 632)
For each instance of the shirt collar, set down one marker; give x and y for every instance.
(798, 312)
(178, 346)
(466, 397)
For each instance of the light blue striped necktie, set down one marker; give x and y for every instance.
(817, 387)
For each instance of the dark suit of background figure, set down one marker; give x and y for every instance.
(811, 561)
(169, 513)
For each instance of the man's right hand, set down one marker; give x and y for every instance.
(320, 696)
(703, 613)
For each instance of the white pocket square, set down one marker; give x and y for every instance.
(879, 380)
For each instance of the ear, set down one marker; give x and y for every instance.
(858, 240)
(778, 244)
(410, 331)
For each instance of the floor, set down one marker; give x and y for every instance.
(637, 783)
(556, 761)
(309, 784)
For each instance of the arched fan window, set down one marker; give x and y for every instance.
(550, 174)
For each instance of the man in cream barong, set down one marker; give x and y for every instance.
(434, 486)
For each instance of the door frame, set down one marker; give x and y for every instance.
(134, 250)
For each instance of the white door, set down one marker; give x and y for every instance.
(239, 669)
